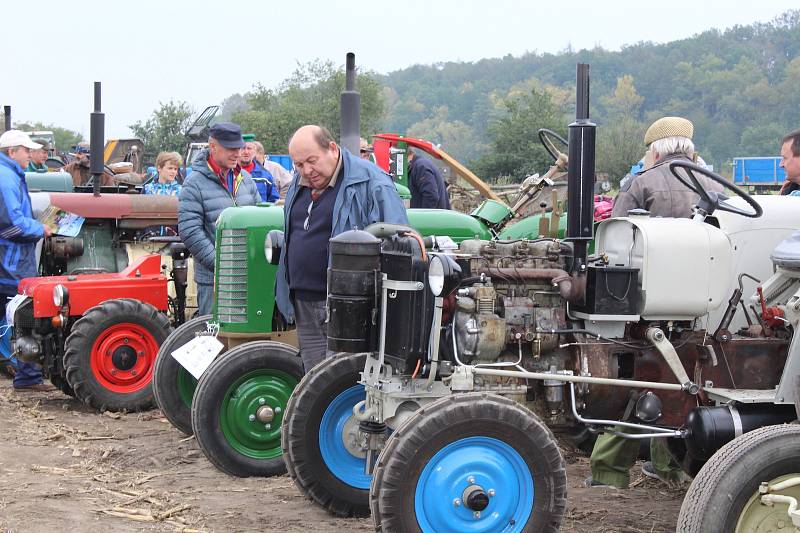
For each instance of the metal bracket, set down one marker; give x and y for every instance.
(661, 343)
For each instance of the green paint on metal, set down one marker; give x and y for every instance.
(759, 518)
(239, 412)
(403, 191)
(528, 228)
(186, 386)
(492, 212)
(457, 226)
(49, 181)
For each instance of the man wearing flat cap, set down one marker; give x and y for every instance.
(215, 182)
(656, 189)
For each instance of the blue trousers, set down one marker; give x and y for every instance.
(26, 373)
(205, 299)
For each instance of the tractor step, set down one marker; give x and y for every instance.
(722, 395)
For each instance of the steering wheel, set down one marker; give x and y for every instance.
(710, 201)
(546, 138)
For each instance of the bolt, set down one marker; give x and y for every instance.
(114, 372)
(133, 372)
(125, 340)
(278, 409)
(261, 401)
(476, 514)
(267, 426)
(658, 335)
(781, 524)
(490, 492)
(252, 418)
(141, 352)
(471, 480)
(457, 502)
(108, 352)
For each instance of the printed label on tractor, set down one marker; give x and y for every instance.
(197, 354)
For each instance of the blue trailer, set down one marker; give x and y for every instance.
(763, 173)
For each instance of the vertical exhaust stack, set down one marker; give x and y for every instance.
(580, 174)
(96, 141)
(7, 116)
(351, 108)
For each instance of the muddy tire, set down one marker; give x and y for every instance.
(110, 354)
(724, 495)
(312, 438)
(173, 385)
(239, 405)
(470, 462)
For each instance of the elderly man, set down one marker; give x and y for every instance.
(790, 163)
(334, 191)
(426, 183)
(216, 181)
(265, 182)
(19, 233)
(656, 189)
(38, 157)
(281, 177)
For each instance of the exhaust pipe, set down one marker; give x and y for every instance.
(96, 142)
(7, 116)
(351, 108)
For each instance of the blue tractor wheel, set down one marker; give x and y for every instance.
(320, 437)
(470, 463)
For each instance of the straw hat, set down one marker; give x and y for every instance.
(668, 127)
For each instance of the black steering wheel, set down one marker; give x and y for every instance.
(546, 138)
(710, 201)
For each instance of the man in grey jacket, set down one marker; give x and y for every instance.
(215, 182)
(656, 189)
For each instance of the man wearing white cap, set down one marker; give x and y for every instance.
(19, 232)
(656, 189)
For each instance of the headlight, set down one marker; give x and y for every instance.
(444, 274)
(60, 296)
(272, 246)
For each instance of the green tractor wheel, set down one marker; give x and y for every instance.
(470, 462)
(239, 404)
(320, 437)
(173, 385)
(110, 353)
(725, 494)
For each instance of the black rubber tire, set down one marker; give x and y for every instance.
(300, 436)
(78, 352)
(449, 419)
(210, 394)
(165, 375)
(718, 494)
(61, 384)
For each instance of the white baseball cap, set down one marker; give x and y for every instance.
(13, 138)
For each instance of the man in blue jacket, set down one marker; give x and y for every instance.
(426, 184)
(333, 191)
(263, 178)
(216, 181)
(19, 233)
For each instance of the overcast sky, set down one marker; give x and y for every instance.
(145, 52)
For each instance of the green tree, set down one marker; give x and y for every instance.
(620, 135)
(456, 138)
(164, 130)
(311, 95)
(63, 138)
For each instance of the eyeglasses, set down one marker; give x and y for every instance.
(308, 217)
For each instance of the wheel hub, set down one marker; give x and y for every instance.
(124, 357)
(265, 414)
(475, 498)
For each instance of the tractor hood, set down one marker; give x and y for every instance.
(131, 210)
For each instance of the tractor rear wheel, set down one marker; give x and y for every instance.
(61, 384)
(173, 385)
(239, 404)
(470, 462)
(725, 494)
(110, 353)
(318, 435)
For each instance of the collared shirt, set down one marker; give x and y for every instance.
(230, 179)
(331, 184)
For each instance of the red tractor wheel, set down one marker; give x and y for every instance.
(110, 354)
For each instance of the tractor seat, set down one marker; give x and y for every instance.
(787, 253)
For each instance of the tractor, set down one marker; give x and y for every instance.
(455, 367)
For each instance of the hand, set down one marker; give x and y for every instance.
(47, 231)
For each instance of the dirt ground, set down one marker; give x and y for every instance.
(64, 467)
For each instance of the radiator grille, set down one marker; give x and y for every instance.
(232, 276)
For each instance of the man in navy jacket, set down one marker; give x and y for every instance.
(426, 184)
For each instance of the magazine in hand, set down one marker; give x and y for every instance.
(61, 222)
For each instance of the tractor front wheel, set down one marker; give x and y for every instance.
(320, 437)
(110, 354)
(470, 462)
(239, 405)
(173, 385)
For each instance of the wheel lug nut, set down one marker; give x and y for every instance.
(261, 401)
(267, 426)
(476, 514)
(278, 409)
(457, 502)
(133, 372)
(490, 492)
(471, 480)
(125, 340)
(252, 418)
(113, 372)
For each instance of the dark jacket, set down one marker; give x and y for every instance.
(367, 195)
(201, 201)
(19, 231)
(426, 185)
(659, 191)
(265, 183)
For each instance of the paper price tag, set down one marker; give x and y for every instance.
(197, 354)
